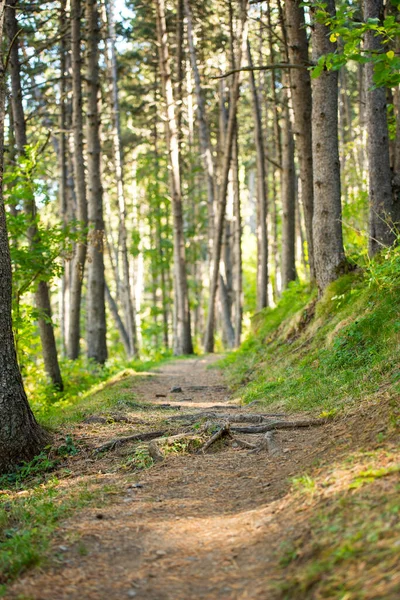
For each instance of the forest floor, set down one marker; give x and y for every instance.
(226, 523)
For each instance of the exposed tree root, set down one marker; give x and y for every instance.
(279, 425)
(137, 437)
(224, 431)
(243, 444)
(269, 443)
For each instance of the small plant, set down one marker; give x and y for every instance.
(37, 467)
(304, 484)
(68, 448)
(141, 458)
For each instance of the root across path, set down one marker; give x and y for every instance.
(205, 521)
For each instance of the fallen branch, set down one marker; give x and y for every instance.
(222, 432)
(137, 437)
(279, 425)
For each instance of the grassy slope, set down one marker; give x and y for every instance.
(337, 357)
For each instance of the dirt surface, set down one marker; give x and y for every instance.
(193, 526)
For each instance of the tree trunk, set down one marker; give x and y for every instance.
(327, 220)
(183, 338)
(20, 435)
(234, 96)
(300, 86)
(79, 258)
(262, 196)
(42, 294)
(130, 317)
(288, 268)
(382, 214)
(96, 314)
(204, 134)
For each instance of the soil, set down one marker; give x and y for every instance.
(195, 526)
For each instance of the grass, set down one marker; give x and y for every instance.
(40, 494)
(323, 357)
(349, 545)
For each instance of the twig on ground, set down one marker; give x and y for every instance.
(222, 432)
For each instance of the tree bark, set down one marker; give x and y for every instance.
(20, 435)
(382, 213)
(234, 96)
(80, 250)
(327, 219)
(96, 314)
(130, 317)
(300, 86)
(183, 338)
(262, 196)
(42, 293)
(288, 267)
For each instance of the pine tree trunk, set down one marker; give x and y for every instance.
(382, 213)
(79, 258)
(20, 435)
(204, 134)
(129, 312)
(288, 268)
(300, 86)
(42, 293)
(234, 96)
(327, 220)
(183, 338)
(262, 196)
(96, 314)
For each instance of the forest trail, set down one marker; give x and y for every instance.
(193, 526)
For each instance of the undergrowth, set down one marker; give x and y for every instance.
(324, 357)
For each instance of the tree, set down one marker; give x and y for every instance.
(300, 89)
(20, 435)
(96, 310)
(183, 337)
(228, 144)
(382, 212)
(327, 220)
(79, 258)
(42, 292)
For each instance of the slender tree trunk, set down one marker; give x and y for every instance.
(42, 293)
(96, 314)
(262, 195)
(237, 240)
(300, 86)
(288, 201)
(204, 134)
(234, 96)
(117, 320)
(382, 214)
(327, 220)
(20, 435)
(183, 338)
(130, 317)
(79, 258)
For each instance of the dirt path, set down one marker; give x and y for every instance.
(199, 526)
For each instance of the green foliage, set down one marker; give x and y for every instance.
(296, 361)
(33, 470)
(140, 459)
(349, 30)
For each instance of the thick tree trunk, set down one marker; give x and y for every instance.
(79, 258)
(96, 313)
(382, 213)
(42, 293)
(288, 268)
(129, 312)
(183, 338)
(20, 435)
(262, 195)
(300, 86)
(327, 220)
